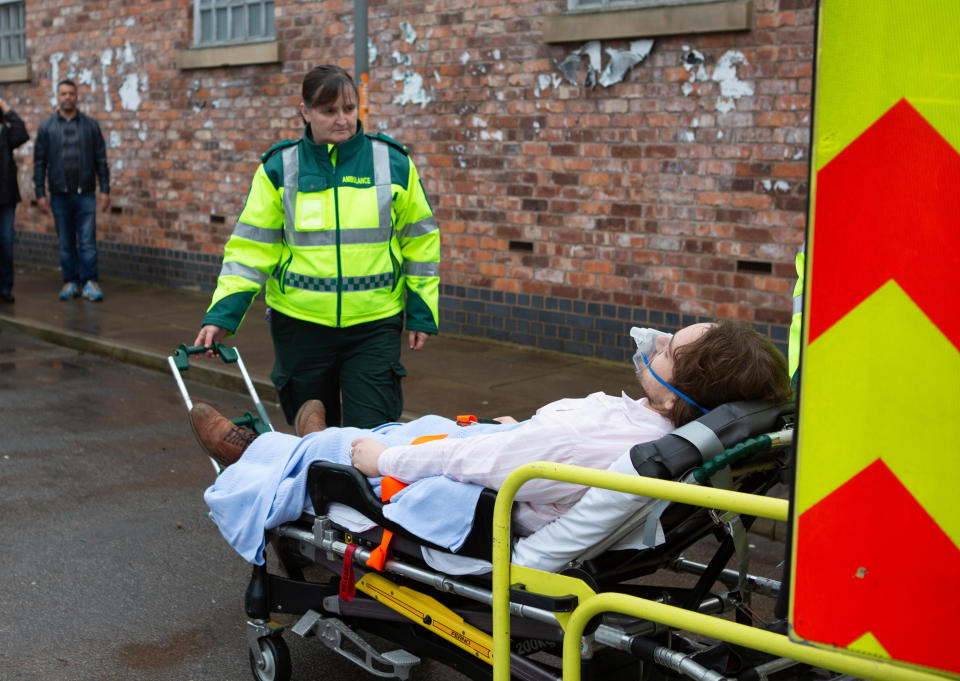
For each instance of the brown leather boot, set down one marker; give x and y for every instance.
(311, 417)
(218, 436)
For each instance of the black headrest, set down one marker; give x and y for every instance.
(691, 444)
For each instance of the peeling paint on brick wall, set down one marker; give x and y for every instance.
(621, 61)
(571, 66)
(724, 74)
(731, 87)
(106, 59)
(413, 90)
(779, 185)
(130, 92)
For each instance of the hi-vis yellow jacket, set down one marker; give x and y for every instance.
(336, 244)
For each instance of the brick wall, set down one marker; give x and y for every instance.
(568, 212)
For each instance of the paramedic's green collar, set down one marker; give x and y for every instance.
(358, 140)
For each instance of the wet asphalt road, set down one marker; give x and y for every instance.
(110, 569)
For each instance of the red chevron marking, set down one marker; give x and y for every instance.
(887, 207)
(870, 558)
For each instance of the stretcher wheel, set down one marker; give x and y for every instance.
(276, 660)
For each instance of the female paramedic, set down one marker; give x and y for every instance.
(338, 227)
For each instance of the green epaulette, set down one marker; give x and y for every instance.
(389, 140)
(275, 148)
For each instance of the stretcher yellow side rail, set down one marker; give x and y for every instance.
(738, 502)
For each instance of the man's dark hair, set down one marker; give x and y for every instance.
(324, 83)
(730, 362)
(66, 81)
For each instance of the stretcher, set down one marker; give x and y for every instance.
(342, 587)
(343, 571)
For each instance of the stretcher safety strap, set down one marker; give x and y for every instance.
(390, 486)
(701, 437)
(649, 537)
(348, 584)
(378, 556)
(427, 438)
(723, 479)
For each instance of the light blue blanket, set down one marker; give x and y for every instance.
(268, 485)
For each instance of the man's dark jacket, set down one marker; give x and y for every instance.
(48, 157)
(12, 134)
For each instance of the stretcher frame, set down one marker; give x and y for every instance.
(269, 656)
(560, 593)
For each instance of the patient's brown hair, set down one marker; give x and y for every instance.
(730, 362)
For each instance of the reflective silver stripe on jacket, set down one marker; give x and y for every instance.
(258, 234)
(415, 229)
(328, 237)
(381, 178)
(291, 179)
(236, 269)
(422, 269)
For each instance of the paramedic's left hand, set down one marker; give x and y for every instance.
(418, 339)
(365, 455)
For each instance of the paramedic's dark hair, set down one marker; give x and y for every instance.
(324, 83)
(730, 362)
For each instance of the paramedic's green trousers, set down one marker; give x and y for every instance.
(360, 363)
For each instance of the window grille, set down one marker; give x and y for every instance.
(225, 22)
(13, 34)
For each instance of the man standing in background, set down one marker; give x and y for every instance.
(71, 157)
(13, 133)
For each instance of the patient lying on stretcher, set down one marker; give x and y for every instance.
(263, 485)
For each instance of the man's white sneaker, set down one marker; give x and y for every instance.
(69, 290)
(91, 291)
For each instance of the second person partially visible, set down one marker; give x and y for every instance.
(339, 229)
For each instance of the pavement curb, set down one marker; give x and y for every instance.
(219, 378)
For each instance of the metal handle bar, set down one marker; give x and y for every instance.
(179, 362)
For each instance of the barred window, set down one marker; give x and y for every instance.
(223, 22)
(13, 33)
(600, 5)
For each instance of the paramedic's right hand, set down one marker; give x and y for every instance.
(210, 335)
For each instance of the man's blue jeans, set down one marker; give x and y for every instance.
(7, 211)
(75, 216)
